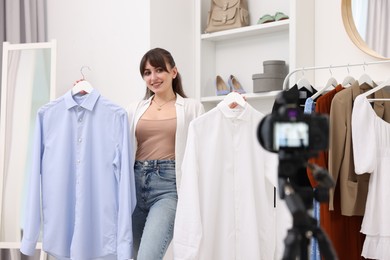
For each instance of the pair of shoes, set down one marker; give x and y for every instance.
(233, 85)
(269, 18)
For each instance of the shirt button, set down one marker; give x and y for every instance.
(80, 120)
(78, 161)
(80, 140)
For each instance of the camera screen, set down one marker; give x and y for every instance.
(291, 135)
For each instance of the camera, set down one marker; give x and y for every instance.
(296, 137)
(290, 130)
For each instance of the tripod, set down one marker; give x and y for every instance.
(304, 227)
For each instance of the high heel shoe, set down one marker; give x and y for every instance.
(222, 88)
(235, 85)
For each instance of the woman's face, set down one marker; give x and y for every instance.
(158, 80)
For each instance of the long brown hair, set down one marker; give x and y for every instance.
(158, 58)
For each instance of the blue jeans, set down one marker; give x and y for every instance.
(154, 215)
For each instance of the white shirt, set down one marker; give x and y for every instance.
(371, 151)
(226, 202)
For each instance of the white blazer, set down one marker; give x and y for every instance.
(186, 110)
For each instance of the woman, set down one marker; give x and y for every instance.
(159, 126)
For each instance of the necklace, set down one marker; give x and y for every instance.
(160, 106)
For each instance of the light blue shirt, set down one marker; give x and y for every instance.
(310, 107)
(83, 177)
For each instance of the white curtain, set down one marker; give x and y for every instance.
(22, 21)
(359, 13)
(378, 27)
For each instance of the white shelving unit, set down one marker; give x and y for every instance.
(241, 52)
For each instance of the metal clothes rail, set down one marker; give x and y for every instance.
(286, 79)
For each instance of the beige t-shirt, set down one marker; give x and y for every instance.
(156, 139)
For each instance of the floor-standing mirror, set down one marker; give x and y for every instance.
(28, 82)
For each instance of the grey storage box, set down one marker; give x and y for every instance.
(272, 79)
(275, 67)
(267, 82)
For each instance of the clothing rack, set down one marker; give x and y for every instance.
(285, 82)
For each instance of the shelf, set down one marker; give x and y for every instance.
(248, 96)
(246, 31)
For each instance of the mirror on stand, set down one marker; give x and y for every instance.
(28, 82)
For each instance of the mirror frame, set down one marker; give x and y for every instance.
(350, 27)
(7, 47)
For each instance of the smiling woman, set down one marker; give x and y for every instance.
(367, 24)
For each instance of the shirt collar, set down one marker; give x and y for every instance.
(88, 103)
(235, 113)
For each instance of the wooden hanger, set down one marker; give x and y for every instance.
(234, 98)
(371, 91)
(82, 86)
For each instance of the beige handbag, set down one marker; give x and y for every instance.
(227, 14)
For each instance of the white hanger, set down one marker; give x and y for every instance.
(303, 82)
(332, 82)
(365, 78)
(83, 85)
(234, 97)
(348, 80)
(380, 86)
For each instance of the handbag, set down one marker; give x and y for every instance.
(227, 14)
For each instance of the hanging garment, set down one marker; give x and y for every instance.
(83, 177)
(353, 188)
(339, 228)
(226, 202)
(310, 106)
(322, 106)
(371, 150)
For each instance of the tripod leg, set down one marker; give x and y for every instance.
(326, 249)
(292, 243)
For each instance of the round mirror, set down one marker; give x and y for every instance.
(367, 24)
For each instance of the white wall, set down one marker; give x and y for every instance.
(108, 36)
(111, 37)
(333, 47)
(173, 29)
